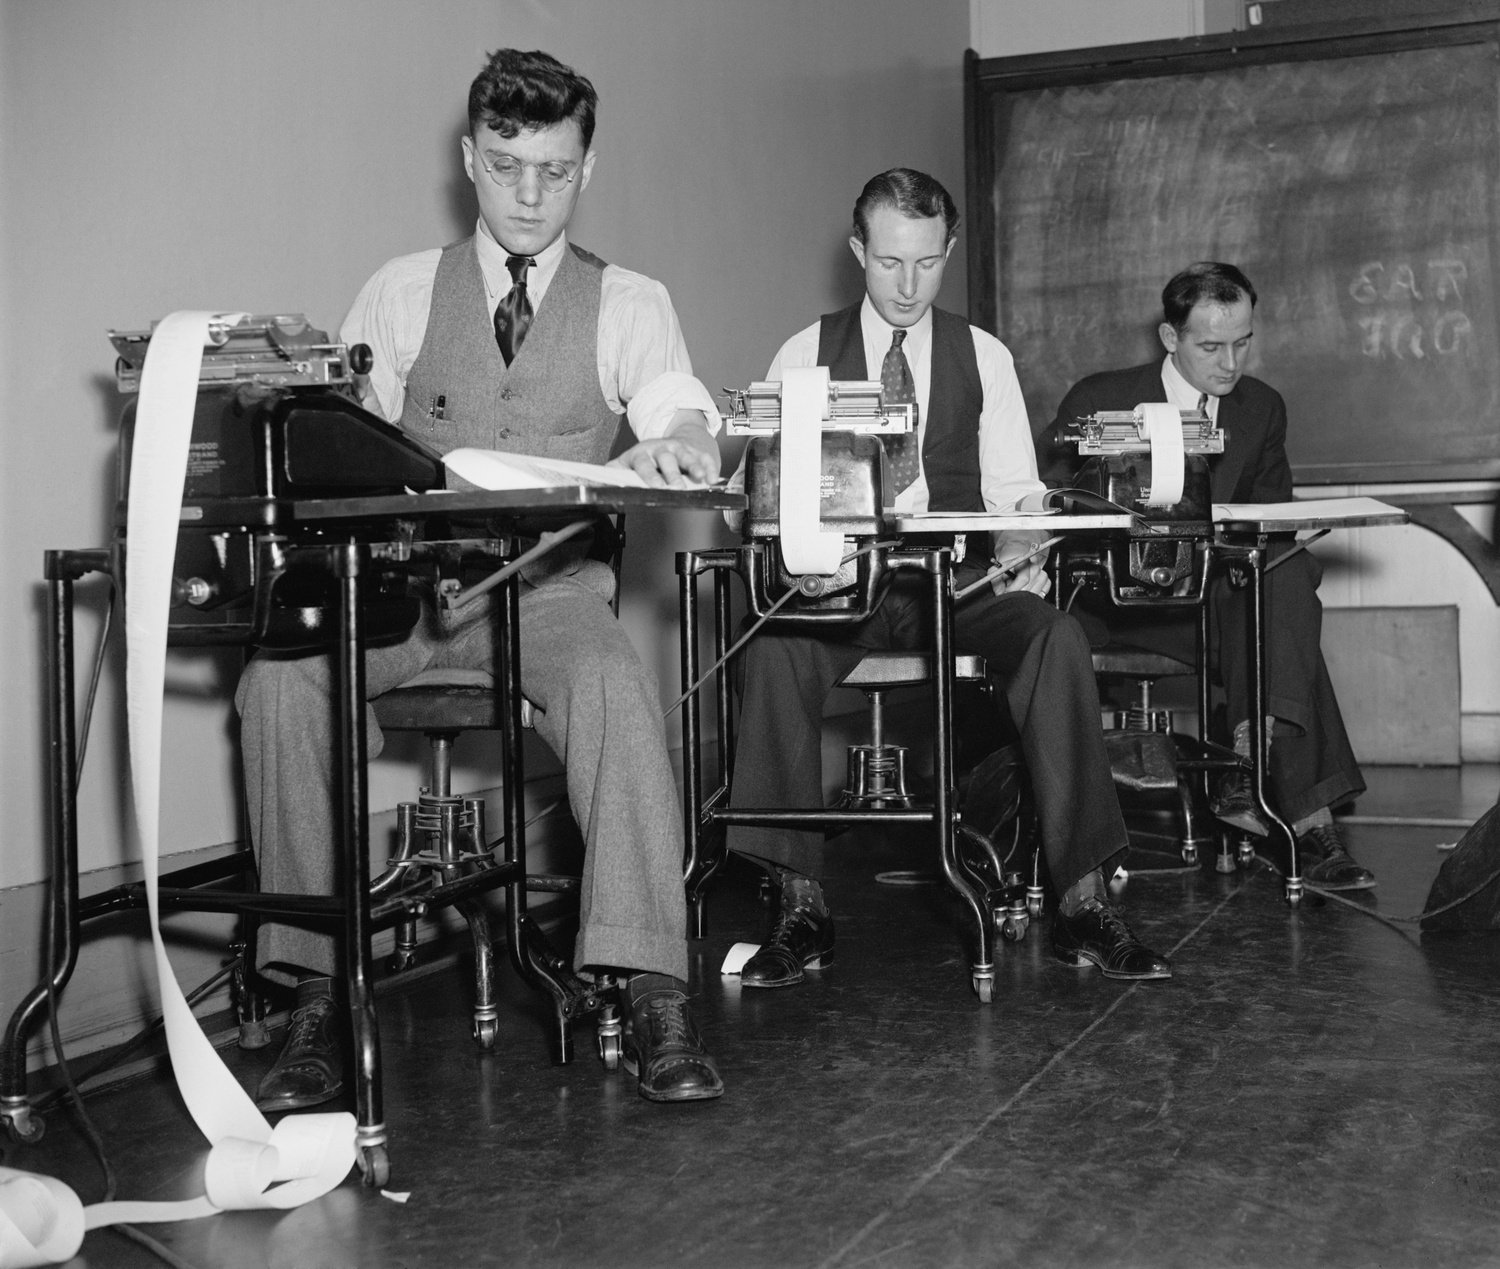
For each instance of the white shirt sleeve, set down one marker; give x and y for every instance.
(644, 368)
(390, 315)
(1007, 457)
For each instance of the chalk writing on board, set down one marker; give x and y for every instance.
(1360, 192)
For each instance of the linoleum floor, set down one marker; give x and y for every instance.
(1313, 1087)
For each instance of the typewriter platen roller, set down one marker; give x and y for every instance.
(849, 492)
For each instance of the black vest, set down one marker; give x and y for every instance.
(950, 436)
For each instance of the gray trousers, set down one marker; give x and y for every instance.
(599, 710)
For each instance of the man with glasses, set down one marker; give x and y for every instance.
(513, 339)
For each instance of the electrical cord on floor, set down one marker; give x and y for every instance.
(135, 1043)
(1397, 923)
(70, 1088)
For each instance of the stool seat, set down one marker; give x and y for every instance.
(450, 700)
(891, 670)
(1130, 662)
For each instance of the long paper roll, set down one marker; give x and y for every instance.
(1163, 428)
(308, 1154)
(805, 546)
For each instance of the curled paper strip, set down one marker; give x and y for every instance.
(250, 1164)
(805, 546)
(1162, 426)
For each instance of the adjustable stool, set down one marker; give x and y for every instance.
(1142, 753)
(877, 771)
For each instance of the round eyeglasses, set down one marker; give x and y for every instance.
(506, 171)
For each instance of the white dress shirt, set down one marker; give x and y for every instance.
(1182, 394)
(1007, 458)
(644, 369)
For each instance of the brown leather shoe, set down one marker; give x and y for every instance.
(1097, 935)
(310, 1069)
(801, 939)
(663, 1050)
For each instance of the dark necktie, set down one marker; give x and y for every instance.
(1203, 405)
(903, 453)
(513, 313)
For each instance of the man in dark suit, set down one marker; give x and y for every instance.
(1208, 323)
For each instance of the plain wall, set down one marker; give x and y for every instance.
(165, 154)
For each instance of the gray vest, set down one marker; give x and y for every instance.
(547, 402)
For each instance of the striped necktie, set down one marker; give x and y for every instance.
(903, 453)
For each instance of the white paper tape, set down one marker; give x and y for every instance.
(1162, 424)
(805, 546)
(308, 1154)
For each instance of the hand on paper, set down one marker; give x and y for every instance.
(687, 455)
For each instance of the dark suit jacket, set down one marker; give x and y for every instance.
(1253, 466)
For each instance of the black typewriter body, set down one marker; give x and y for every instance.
(265, 435)
(1164, 558)
(850, 502)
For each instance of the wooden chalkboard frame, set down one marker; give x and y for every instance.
(989, 83)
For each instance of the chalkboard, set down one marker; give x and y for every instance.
(1352, 175)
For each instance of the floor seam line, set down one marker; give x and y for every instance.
(968, 1138)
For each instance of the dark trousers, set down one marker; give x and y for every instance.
(1037, 655)
(1312, 763)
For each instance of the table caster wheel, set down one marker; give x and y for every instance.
(984, 988)
(25, 1126)
(609, 1052)
(375, 1166)
(1244, 854)
(486, 1033)
(1013, 929)
(1190, 855)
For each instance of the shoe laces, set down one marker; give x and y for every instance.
(1326, 840)
(667, 1016)
(1109, 917)
(306, 1019)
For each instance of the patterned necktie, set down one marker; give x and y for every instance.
(513, 313)
(903, 453)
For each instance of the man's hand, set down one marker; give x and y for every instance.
(687, 453)
(1021, 561)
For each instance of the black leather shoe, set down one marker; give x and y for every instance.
(1326, 862)
(1097, 935)
(1235, 806)
(310, 1069)
(664, 1051)
(802, 938)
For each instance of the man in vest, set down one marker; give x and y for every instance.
(513, 339)
(971, 451)
(1208, 322)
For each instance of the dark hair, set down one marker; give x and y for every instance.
(911, 193)
(1207, 282)
(517, 90)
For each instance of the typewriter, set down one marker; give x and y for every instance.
(275, 422)
(850, 499)
(1164, 557)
